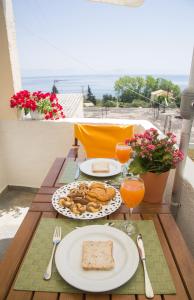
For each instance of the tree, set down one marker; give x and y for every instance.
(151, 84)
(90, 97)
(130, 88)
(109, 100)
(139, 103)
(54, 89)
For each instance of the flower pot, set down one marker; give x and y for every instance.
(19, 114)
(35, 115)
(154, 186)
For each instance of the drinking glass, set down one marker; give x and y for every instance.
(132, 191)
(123, 153)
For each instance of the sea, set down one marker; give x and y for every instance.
(99, 84)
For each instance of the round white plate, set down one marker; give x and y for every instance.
(86, 167)
(108, 209)
(69, 255)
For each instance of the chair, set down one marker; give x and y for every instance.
(100, 140)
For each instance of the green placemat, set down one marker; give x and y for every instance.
(31, 273)
(69, 172)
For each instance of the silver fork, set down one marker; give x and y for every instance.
(56, 241)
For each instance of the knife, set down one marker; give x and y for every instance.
(77, 172)
(148, 287)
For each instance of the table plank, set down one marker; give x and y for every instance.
(45, 296)
(152, 208)
(180, 290)
(41, 207)
(64, 296)
(97, 297)
(53, 173)
(73, 152)
(16, 252)
(123, 297)
(182, 256)
(147, 208)
(19, 295)
(45, 198)
(142, 297)
(47, 190)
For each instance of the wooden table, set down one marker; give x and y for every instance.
(178, 257)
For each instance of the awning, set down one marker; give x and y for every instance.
(130, 3)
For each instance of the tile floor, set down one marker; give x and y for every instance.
(14, 205)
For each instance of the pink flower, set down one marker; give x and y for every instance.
(153, 130)
(151, 147)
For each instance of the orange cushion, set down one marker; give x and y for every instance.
(100, 140)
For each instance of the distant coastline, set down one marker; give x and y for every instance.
(100, 84)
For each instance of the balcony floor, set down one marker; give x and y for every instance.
(14, 205)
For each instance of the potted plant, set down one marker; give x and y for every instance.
(40, 105)
(154, 156)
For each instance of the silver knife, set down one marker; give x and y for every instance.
(148, 287)
(77, 172)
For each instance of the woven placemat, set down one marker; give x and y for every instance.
(69, 172)
(30, 276)
(68, 175)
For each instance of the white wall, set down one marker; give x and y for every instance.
(10, 81)
(186, 211)
(30, 147)
(3, 172)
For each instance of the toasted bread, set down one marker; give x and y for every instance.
(100, 167)
(97, 255)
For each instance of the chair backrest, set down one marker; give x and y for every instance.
(100, 140)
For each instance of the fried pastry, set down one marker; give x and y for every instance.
(97, 193)
(110, 193)
(97, 185)
(93, 207)
(91, 199)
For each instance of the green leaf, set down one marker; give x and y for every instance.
(136, 166)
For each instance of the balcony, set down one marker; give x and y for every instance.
(29, 148)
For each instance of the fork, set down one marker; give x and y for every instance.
(56, 241)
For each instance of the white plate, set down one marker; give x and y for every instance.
(107, 209)
(69, 254)
(86, 167)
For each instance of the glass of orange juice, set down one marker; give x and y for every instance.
(132, 191)
(123, 153)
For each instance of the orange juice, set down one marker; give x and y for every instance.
(123, 152)
(132, 191)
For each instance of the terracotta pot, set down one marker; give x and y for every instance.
(154, 186)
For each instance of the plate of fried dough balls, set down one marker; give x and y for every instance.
(86, 200)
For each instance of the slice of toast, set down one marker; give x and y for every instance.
(97, 255)
(100, 167)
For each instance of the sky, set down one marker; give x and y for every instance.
(73, 37)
